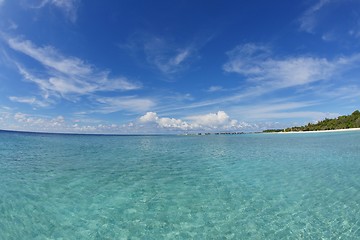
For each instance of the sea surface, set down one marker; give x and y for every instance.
(251, 186)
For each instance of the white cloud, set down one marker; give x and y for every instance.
(208, 122)
(308, 20)
(150, 123)
(29, 100)
(35, 123)
(349, 92)
(328, 36)
(280, 109)
(355, 33)
(219, 120)
(180, 57)
(149, 117)
(297, 71)
(319, 19)
(177, 97)
(316, 115)
(12, 25)
(354, 29)
(69, 7)
(20, 117)
(173, 123)
(214, 89)
(26, 122)
(163, 55)
(260, 67)
(129, 103)
(2, 2)
(50, 57)
(164, 122)
(67, 76)
(211, 119)
(244, 59)
(164, 58)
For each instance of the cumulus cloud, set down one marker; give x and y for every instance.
(149, 117)
(164, 122)
(259, 66)
(207, 122)
(31, 122)
(66, 76)
(150, 122)
(213, 120)
(26, 122)
(20, 121)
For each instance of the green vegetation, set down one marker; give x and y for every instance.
(273, 130)
(342, 122)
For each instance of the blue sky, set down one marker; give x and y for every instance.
(176, 66)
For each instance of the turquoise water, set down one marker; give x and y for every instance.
(253, 186)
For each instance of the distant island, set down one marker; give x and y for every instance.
(342, 122)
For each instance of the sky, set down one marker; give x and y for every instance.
(128, 67)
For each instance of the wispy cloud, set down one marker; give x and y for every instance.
(30, 100)
(265, 73)
(50, 57)
(128, 103)
(165, 56)
(178, 97)
(308, 20)
(349, 92)
(355, 33)
(69, 7)
(12, 25)
(214, 89)
(258, 65)
(319, 19)
(278, 109)
(1, 2)
(355, 29)
(317, 115)
(66, 76)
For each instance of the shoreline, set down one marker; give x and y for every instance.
(323, 131)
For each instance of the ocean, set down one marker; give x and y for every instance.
(249, 186)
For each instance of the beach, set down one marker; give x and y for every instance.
(323, 131)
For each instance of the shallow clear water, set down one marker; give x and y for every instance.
(254, 186)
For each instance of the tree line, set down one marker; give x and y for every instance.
(342, 122)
